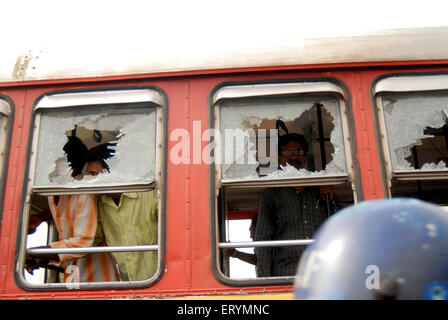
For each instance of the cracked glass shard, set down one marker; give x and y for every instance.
(129, 131)
(417, 130)
(248, 124)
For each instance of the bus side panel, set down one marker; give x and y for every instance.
(200, 180)
(23, 99)
(174, 277)
(366, 144)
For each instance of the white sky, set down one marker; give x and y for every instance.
(99, 22)
(38, 238)
(239, 232)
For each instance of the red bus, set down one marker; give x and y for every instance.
(374, 109)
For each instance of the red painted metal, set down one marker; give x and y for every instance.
(241, 214)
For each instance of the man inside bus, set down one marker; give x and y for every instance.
(128, 219)
(75, 218)
(288, 213)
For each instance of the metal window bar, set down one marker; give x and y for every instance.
(258, 244)
(37, 251)
(322, 149)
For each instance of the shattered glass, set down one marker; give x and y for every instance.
(131, 127)
(416, 126)
(243, 122)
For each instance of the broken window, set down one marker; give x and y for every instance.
(129, 131)
(91, 150)
(252, 119)
(414, 115)
(416, 126)
(247, 127)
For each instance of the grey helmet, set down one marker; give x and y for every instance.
(378, 249)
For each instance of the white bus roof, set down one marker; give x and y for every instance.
(64, 61)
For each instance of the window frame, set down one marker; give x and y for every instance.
(83, 100)
(159, 100)
(402, 83)
(6, 119)
(276, 88)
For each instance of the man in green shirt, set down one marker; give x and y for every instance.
(129, 219)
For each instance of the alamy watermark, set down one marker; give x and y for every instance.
(237, 145)
(72, 280)
(373, 280)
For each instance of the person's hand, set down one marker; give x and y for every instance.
(230, 252)
(32, 263)
(324, 190)
(33, 223)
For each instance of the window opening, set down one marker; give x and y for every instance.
(84, 146)
(415, 124)
(243, 262)
(429, 190)
(93, 185)
(257, 167)
(36, 238)
(436, 140)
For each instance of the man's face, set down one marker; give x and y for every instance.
(292, 153)
(94, 167)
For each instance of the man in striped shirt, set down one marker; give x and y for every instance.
(75, 217)
(76, 220)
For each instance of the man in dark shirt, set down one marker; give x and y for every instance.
(288, 213)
